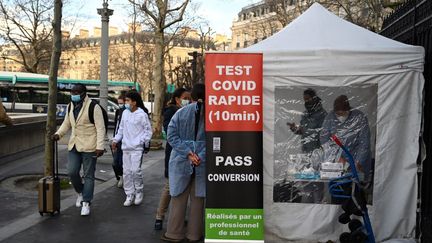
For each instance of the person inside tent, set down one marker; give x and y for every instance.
(311, 122)
(352, 128)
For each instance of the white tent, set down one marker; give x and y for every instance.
(319, 49)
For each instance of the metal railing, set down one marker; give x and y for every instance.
(411, 23)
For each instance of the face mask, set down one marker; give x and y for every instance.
(128, 106)
(75, 98)
(121, 106)
(184, 102)
(309, 105)
(342, 119)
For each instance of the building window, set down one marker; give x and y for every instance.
(76, 62)
(245, 44)
(238, 45)
(246, 36)
(178, 60)
(90, 62)
(82, 62)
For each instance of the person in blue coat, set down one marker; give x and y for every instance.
(352, 127)
(187, 169)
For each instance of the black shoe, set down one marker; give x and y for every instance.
(195, 241)
(167, 239)
(158, 224)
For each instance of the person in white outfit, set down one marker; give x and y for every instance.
(135, 133)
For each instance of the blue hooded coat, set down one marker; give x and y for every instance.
(181, 136)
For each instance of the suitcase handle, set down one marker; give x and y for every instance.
(55, 160)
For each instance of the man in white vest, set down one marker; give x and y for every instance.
(86, 143)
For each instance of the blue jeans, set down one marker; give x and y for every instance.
(88, 162)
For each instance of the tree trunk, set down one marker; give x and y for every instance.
(52, 87)
(159, 82)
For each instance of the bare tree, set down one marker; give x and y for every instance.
(52, 82)
(207, 43)
(287, 10)
(124, 62)
(26, 25)
(366, 13)
(162, 15)
(183, 75)
(134, 48)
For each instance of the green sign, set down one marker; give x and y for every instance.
(170, 88)
(234, 224)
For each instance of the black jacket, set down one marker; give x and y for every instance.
(168, 113)
(117, 119)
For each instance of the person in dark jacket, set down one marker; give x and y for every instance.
(181, 97)
(118, 153)
(311, 122)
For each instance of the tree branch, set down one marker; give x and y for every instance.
(180, 17)
(144, 7)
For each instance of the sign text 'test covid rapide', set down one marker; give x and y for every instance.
(234, 92)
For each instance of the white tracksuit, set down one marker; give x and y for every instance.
(134, 131)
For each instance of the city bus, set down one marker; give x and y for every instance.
(27, 92)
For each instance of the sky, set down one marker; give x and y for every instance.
(218, 13)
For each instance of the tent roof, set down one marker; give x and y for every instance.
(326, 44)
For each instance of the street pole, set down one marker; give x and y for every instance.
(104, 12)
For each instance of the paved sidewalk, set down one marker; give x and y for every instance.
(17, 203)
(109, 220)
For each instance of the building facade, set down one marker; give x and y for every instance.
(256, 22)
(80, 57)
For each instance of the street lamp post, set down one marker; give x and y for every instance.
(104, 12)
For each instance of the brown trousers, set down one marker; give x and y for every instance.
(176, 219)
(164, 202)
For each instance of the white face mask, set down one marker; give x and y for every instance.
(342, 119)
(184, 102)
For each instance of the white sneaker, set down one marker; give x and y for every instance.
(138, 198)
(79, 200)
(120, 182)
(129, 201)
(85, 210)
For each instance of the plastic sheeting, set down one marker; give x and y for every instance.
(305, 158)
(393, 203)
(383, 82)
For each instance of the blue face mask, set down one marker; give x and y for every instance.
(128, 106)
(184, 102)
(75, 98)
